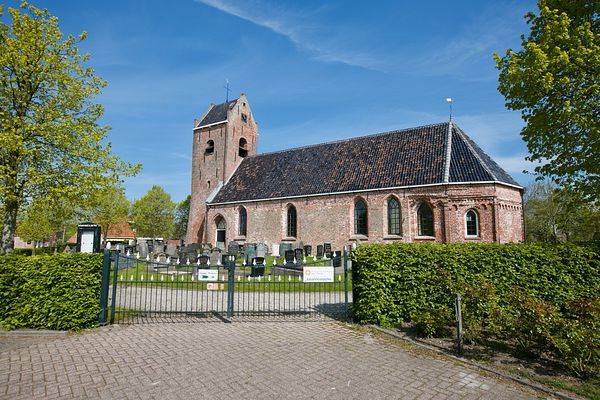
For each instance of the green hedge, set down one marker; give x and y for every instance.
(59, 291)
(541, 298)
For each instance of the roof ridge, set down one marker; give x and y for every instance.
(448, 153)
(347, 139)
(467, 142)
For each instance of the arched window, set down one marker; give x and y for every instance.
(210, 147)
(291, 221)
(221, 226)
(360, 218)
(243, 222)
(243, 151)
(393, 213)
(472, 223)
(425, 216)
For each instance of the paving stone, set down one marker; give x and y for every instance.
(267, 360)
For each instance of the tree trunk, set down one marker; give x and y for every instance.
(8, 230)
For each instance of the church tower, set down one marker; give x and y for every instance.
(225, 135)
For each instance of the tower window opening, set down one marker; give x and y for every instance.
(210, 147)
(244, 117)
(243, 152)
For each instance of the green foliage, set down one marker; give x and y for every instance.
(51, 145)
(555, 81)
(60, 291)
(182, 215)
(557, 215)
(539, 298)
(108, 206)
(153, 214)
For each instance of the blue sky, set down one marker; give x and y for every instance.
(313, 72)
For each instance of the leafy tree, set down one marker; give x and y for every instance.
(37, 222)
(154, 214)
(51, 144)
(555, 81)
(182, 214)
(109, 206)
(558, 215)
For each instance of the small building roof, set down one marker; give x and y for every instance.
(217, 113)
(425, 155)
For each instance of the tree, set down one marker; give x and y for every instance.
(182, 214)
(555, 81)
(153, 215)
(557, 215)
(51, 144)
(37, 222)
(109, 206)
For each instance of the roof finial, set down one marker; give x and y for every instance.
(449, 100)
(227, 90)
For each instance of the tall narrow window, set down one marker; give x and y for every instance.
(472, 223)
(425, 216)
(360, 218)
(394, 219)
(243, 222)
(243, 150)
(291, 221)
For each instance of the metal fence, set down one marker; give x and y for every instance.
(138, 290)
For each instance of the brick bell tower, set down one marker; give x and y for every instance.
(225, 134)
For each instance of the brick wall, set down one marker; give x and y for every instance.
(330, 218)
(208, 170)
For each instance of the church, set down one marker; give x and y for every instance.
(428, 184)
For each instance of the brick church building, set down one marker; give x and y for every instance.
(426, 184)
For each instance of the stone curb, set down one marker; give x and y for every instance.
(33, 332)
(475, 365)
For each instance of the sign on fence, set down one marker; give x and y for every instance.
(209, 275)
(318, 274)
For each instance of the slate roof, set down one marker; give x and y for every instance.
(408, 157)
(217, 114)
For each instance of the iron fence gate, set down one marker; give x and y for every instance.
(138, 290)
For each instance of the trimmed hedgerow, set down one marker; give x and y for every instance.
(541, 298)
(59, 291)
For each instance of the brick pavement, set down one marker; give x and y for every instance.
(242, 360)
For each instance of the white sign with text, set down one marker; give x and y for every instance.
(209, 275)
(318, 274)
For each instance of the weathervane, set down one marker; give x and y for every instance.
(227, 90)
(449, 100)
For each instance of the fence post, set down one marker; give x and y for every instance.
(459, 327)
(346, 284)
(104, 289)
(114, 289)
(230, 285)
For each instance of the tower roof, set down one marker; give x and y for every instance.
(217, 113)
(427, 155)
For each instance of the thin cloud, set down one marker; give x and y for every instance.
(283, 25)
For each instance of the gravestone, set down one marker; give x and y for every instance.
(249, 252)
(261, 250)
(275, 249)
(308, 250)
(233, 248)
(320, 251)
(215, 256)
(203, 260)
(142, 248)
(289, 256)
(327, 249)
(259, 268)
(283, 247)
(171, 250)
(299, 254)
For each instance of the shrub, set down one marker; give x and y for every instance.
(59, 291)
(541, 298)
